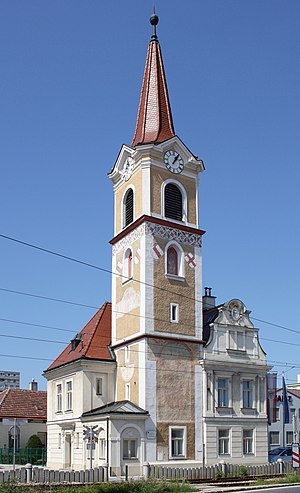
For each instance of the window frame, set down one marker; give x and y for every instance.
(59, 398)
(174, 319)
(130, 441)
(184, 201)
(180, 261)
(183, 442)
(221, 402)
(287, 434)
(125, 195)
(247, 396)
(99, 387)
(225, 441)
(248, 440)
(273, 433)
(69, 396)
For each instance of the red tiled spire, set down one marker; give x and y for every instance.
(154, 121)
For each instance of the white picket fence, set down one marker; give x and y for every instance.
(100, 474)
(219, 471)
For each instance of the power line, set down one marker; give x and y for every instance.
(31, 339)
(108, 271)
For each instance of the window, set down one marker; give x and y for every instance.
(292, 413)
(69, 396)
(274, 438)
(247, 442)
(223, 442)
(278, 414)
(128, 208)
(101, 444)
(14, 437)
(129, 448)
(99, 386)
(127, 270)
(127, 391)
(59, 440)
(77, 440)
(247, 393)
(289, 438)
(173, 202)
(174, 312)
(177, 439)
(127, 354)
(223, 400)
(172, 261)
(59, 398)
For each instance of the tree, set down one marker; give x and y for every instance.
(34, 442)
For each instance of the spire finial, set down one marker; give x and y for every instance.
(154, 21)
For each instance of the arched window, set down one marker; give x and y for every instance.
(127, 272)
(173, 202)
(128, 207)
(14, 437)
(172, 261)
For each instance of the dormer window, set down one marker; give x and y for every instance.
(75, 341)
(173, 202)
(128, 207)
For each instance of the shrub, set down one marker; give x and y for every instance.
(243, 471)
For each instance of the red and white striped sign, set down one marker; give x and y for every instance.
(190, 259)
(137, 256)
(295, 455)
(157, 251)
(119, 268)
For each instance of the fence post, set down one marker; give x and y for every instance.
(28, 473)
(223, 468)
(146, 470)
(105, 472)
(126, 472)
(281, 466)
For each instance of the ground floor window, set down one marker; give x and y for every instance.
(274, 438)
(101, 443)
(247, 442)
(177, 441)
(129, 448)
(223, 442)
(289, 438)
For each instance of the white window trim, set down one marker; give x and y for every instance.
(176, 319)
(227, 454)
(229, 379)
(184, 201)
(252, 380)
(123, 215)
(67, 393)
(59, 411)
(253, 442)
(278, 436)
(125, 277)
(98, 379)
(127, 391)
(181, 266)
(171, 457)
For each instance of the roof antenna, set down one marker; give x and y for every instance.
(154, 21)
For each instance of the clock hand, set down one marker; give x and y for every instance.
(176, 159)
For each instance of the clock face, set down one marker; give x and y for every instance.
(127, 169)
(173, 161)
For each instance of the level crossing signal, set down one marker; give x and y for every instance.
(90, 433)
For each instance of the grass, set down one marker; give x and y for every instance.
(289, 478)
(151, 486)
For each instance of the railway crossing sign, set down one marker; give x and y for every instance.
(295, 455)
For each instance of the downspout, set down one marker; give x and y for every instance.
(107, 447)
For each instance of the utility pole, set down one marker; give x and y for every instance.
(90, 433)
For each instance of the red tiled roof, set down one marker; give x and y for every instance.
(25, 404)
(154, 121)
(95, 339)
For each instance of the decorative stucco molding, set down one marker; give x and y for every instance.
(160, 231)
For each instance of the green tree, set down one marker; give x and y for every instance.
(34, 442)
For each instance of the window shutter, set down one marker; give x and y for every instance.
(129, 207)
(173, 202)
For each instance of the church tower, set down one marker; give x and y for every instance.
(157, 280)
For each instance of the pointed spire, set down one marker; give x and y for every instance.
(154, 121)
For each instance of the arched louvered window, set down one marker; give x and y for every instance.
(173, 202)
(172, 261)
(128, 208)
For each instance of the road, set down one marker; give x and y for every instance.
(207, 488)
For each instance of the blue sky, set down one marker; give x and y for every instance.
(70, 80)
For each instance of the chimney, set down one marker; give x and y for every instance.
(208, 301)
(33, 385)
